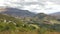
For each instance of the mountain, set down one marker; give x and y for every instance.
(57, 15)
(41, 15)
(29, 17)
(45, 18)
(17, 12)
(42, 24)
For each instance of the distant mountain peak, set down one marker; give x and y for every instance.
(18, 12)
(56, 14)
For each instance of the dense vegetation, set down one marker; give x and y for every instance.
(40, 23)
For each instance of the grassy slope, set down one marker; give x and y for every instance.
(25, 28)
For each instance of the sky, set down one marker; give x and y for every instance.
(38, 6)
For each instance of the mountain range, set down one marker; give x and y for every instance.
(23, 13)
(57, 15)
(17, 12)
(31, 23)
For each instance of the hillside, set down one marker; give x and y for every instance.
(45, 18)
(37, 25)
(13, 25)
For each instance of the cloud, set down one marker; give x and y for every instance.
(45, 6)
(31, 0)
(2, 3)
(49, 7)
(55, 1)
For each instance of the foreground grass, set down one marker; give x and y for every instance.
(19, 32)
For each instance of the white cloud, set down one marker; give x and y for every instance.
(44, 6)
(31, 0)
(31, 7)
(1, 2)
(49, 7)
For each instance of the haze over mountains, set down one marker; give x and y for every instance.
(23, 13)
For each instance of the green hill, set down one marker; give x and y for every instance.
(39, 24)
(8, 23)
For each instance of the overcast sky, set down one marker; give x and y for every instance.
(45, 6)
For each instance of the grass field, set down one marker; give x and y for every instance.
(8, 32)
